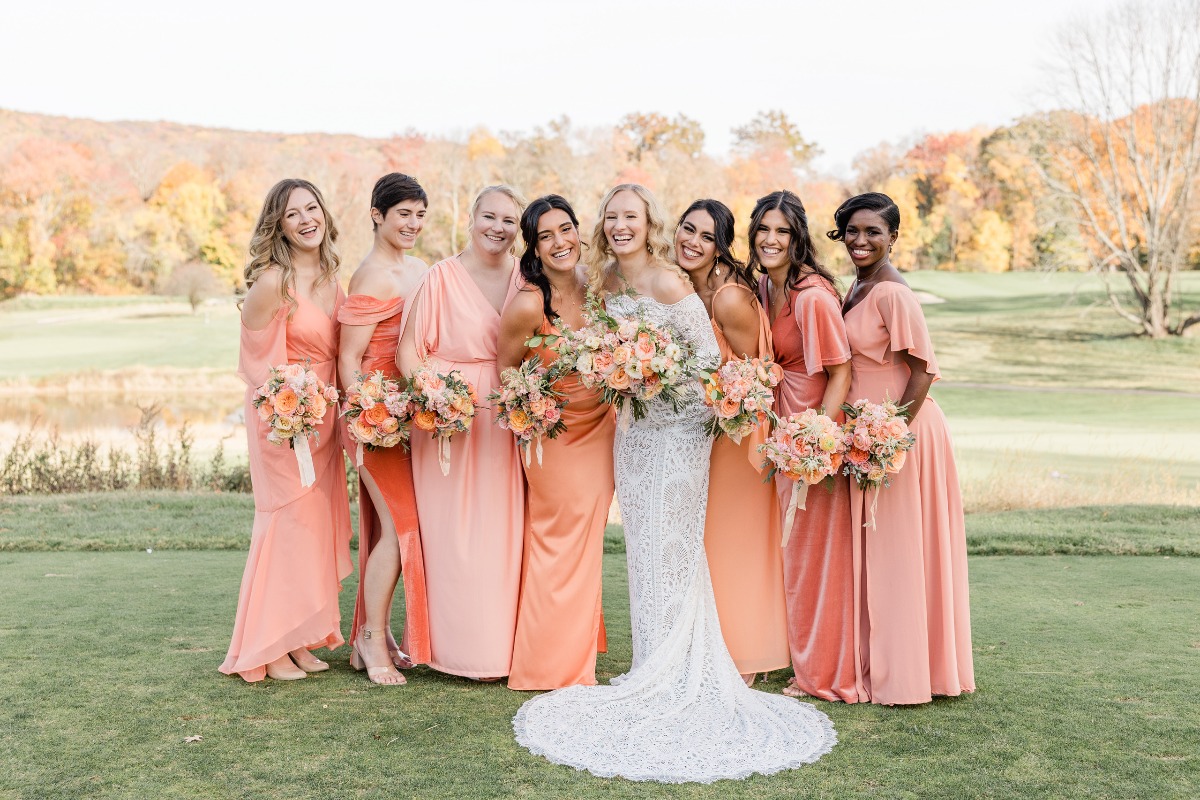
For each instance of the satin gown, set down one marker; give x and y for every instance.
(300, 544)
(742, 535)
(391, 468)
(560, 627)
(809, 335)
(472, 520)
(910, 572)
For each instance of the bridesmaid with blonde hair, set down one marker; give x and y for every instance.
(472, 520)
(300, 545)
(389, 536)
(560, 626)
(741, 528)
(811, 347)
(913, 631)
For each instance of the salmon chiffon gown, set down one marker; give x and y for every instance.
(472, 520)
(910, 571)
(741, 538)
(809, 335)
(300, 544)
(392, 470)
(560, 627)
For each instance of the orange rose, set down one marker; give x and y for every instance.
(603, 363)
(265, 412)
(317, 407)
(728, 408)
(363, 431)
(389, 425)
(425, 420)
(287, 401)
(519, 421)
(619, 380)
(897, 461)
(375, 414)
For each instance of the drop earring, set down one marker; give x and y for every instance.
(717, 269)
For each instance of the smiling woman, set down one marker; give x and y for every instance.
(472, 519)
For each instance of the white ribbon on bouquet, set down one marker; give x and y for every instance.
(308, 474)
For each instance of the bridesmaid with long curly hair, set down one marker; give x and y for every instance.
(389, 537)
(300, 545)
(742, 528)
(560, 627)
(811, 346)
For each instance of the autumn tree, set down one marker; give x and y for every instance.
(195, 281)
(1123, 150)
(652, 133)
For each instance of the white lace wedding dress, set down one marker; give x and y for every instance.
(681, 713)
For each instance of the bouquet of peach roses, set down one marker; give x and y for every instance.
(807, 448)
(877, 444)
(443, 404)
(377, 411)
(528, 404)
(740, 392)
(293, 403)
(633, 360)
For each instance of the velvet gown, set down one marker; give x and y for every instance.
(391, 468)
(300, 544)
(910, 571)
(817, 562)
(472, 520)
(742, 535)
(560, 627)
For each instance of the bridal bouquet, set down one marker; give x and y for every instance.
(740, 394)
(528, 404)
(443, 404)
(293, 403)
(806, 448)
(378, 413)
(631, 359)
(877, 444)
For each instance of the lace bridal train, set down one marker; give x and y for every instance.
(682, 713)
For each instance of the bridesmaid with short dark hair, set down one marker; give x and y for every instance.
(910, 569)
(300, 545)
(389, 540)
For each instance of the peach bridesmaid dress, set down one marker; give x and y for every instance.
(300, 544)
(472, 520)
(817, 562)
(914, 623)
(741, 539)
(392, 470)
(560, 627)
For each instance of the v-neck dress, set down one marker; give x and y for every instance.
(300, 544)
(910, 571)
(472, 520)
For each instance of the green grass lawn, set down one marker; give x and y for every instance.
(1086, 668)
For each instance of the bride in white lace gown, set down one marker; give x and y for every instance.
(682, 713)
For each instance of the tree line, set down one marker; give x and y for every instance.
(1109, 181)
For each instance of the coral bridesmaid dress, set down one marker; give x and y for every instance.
(559, 623)
(741, 539)
(817, 562)
(300, 545)
(914, 631)
(472, 520)
(392, 470)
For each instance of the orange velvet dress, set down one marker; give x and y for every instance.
(473, 519)
(914, 623)
(741, 539)
(817, 561)
(392, 470)
(300, 544)
(560, 627)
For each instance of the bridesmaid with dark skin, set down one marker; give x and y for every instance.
(741, 527)
(560, 627)
(913, 632)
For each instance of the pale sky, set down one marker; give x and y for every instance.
(850, 74)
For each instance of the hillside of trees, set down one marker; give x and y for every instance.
(98, 207)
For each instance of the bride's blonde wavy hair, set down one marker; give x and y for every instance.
(269, 247)
(601, 259)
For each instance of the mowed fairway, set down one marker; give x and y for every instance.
(1086, 669)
